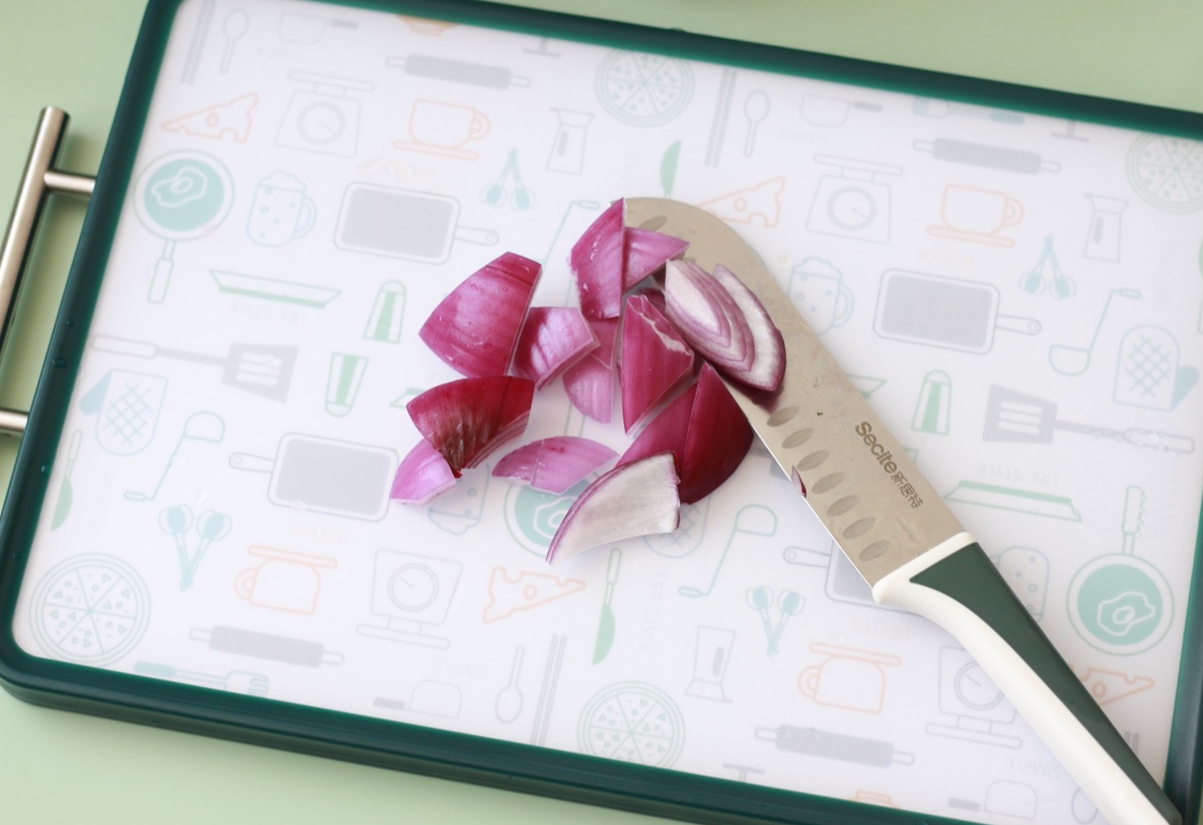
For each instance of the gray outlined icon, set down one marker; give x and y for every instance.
(201, 428)
(844, 583)
(308, 29)
(1105, 229)
(273, 289)
(842, 747)
(854, 203)
(233, 29)
(324, 475)
(547, 689)
(403, 223)
(323, 117)
(270, 647)
(940, 109)
(568, 146)
(507, 707)
(933, 409)
(1016, 499)
(980, 711)
(1026, 570)
(751, 520)
(720, 119)
(832, 112)
(430, 697)
(1004, 797)
(711, 658)
(127, 407)
(436, 67)
(234, 681)
(411, 594)
(987, 156)
(943, 312)
(756, 109)
(1148, 373)
(388, 311)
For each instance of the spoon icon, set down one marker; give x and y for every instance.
(233, 28)
(509, 700)
(1074, 360)
(756, 109)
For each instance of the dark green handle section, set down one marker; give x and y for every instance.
(969, 577)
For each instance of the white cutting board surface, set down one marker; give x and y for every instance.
(1047, 258)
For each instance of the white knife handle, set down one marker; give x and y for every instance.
(956, 586)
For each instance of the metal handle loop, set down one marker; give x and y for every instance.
(39, 180)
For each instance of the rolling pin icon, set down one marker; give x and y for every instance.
(841, 746)
(991, 157)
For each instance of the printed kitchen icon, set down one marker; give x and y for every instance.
(323, 117)
(201, 427)
(842, 747)
(1148, 372)
(285, 580)
(444, 129)
(438, 67)
(234, 681)
(403, 223)
(178, 522)
(1075, 360)
(752, 520)
(854, 203)
(943, 312)
(281, 210)
(66, 489)
(181, 196)
(228, 120)
(430, 697)
(817, 288)
(568, 145)
(977, 215)
(412, 593)
(270, 647)
(325, 475)
(1001, 158)
(127, 406)
(848, 678)
(980, 711)
(1105, 228)
(711, 657)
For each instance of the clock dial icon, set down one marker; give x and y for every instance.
(975, 689)
(852, 208)
(413, 587)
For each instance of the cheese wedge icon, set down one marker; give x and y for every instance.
(221, 121)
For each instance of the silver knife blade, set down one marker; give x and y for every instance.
(851, 470)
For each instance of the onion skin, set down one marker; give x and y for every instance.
(596, 260)
(422, 475)
(468, 419)
(636, 499)
(554, 465)
(475, 328)
(656, 361)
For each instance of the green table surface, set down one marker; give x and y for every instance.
(58, 767)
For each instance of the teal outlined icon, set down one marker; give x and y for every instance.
(751, 520)
(343, 382)
(1047, 275)
(632, 722)
(181, 196)
(643, 89)
(934, 406)
(127, 407)
(201, 428)
(1148, 372)
(91, 609)
(1075, 360)
(1120, 603)
(533, 516)
(388, 311)
(1167, 172)
(688, 535)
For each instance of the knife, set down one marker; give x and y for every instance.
(901, 536)
(605, 625)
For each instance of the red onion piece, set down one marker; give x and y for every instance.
(656, 361)
(474, 329)
(468, 419)
(422, 475)
(707, 432)
(606, 332)
(596, 260)
(552, 340)
(636, 499)
(768, 366)
(646, 251)
(726, 323)
(555, 464)
(590, 387)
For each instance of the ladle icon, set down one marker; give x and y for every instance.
(201, 426)
(1071, 360)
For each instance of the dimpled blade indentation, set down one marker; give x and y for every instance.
(859, 527)
(813, 460)
(843, 505)
(827, 483)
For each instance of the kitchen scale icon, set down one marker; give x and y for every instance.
(853, 203)
(411, 593)
(323, 118)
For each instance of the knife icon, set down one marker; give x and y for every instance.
(605, 625)
(901, 536)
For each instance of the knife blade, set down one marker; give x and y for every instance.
(605, 625)
(901, 536)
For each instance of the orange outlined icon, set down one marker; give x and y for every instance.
(285, 580)
(848, 678)
(755, 204)
(231, 119)
(977, 215)
(511, 592)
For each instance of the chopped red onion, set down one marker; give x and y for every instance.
(555, 464)
(468, 419)
(422, 475)
(656, 361)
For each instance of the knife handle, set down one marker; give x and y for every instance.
(956, 586)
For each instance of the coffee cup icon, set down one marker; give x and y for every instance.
(444, 128)
(981, 215)
(818, 290)
(287, 580)
(281, 211)
(848, 678)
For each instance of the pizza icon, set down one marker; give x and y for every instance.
(632, 722)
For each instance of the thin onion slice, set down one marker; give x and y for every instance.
(475, 328)
(636, 499)
(552, 340)
(707, 432)
(466, 420)
(596, 260)
(554, 464)
(656, 361)
(646, 251)
(726, 323)
(422, 475)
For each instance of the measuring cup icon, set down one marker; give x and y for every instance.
(181, 196)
